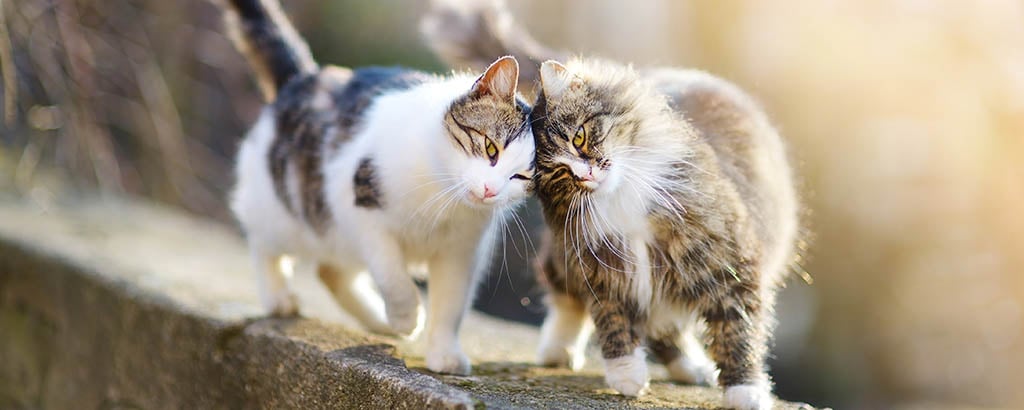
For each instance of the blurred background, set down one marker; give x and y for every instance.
(905, 120)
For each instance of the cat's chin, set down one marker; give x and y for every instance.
(605, 188)
(484, 204)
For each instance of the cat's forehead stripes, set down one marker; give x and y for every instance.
(468, 119)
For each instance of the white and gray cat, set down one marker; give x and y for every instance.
(377, 169)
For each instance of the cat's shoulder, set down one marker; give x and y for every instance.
(344, 86)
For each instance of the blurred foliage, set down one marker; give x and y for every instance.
(150, 97)
(906, 123)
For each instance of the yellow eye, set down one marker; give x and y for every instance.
(492, 151)
(580, 138)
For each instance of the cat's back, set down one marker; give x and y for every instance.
(749, 150)
(312, 120)
(338, 97)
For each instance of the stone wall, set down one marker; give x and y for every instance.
(115, 303)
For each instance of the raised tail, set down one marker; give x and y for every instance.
(274, 49)
(473, 33)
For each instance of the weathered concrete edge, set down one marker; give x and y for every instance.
(77, 338)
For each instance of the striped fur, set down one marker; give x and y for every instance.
(276, 52)
(679, 202)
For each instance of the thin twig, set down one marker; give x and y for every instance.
(7, 71)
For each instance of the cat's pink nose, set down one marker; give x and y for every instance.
(589, 176)
(488, 192)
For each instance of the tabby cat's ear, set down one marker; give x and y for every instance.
(555, 79)
(500, 80)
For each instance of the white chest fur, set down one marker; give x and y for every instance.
(624, 216)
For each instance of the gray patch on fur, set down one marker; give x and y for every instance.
(316, 116)
(366, 185)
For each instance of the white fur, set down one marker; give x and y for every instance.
(693, 365)
(641, 283)
(628, 374)
(564, 335)
(431, 214)
(692, 368)
(748, 397)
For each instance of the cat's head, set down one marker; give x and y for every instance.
(586, 123)
(489, 130)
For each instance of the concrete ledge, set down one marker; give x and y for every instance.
(122, 304)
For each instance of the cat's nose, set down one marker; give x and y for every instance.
(589, 175)
(489, 192)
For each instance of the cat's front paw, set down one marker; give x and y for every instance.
(559, 356)
(698, 370)
(748, 397)
(408, 321)
(448, 360)
(628, 374)
(281, 304)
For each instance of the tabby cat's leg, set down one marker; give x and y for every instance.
(624, 360)
(737, 325)
(359, 304)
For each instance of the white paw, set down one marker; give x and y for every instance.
(448, 360)
(697, 370)
(748, 397)
(627, 374)
(560, 356)
(406, 321)
(281, 304)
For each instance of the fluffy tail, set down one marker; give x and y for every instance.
(263, 33)
(473, 33)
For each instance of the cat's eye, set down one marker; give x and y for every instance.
(580, 137)
(492, 150)
(520, 176)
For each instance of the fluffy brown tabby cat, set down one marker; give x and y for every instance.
(670, 202)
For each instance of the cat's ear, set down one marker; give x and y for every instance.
(555, 79)
(500, 80)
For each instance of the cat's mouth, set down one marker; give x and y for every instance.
(589, 185)
(476, 200)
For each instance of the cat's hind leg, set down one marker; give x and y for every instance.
(362, 304)
(273, 286)
(564, 335)
(683, 355)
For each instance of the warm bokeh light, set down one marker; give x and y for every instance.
(905, 120)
